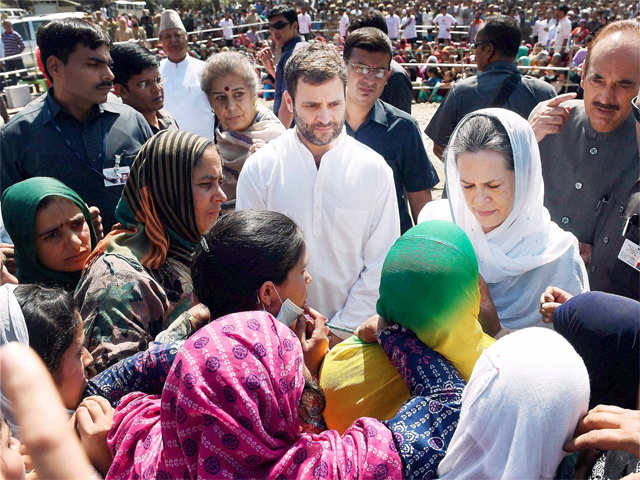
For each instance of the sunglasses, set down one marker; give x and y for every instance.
(361, 69)
(636, 108)
(278, 25)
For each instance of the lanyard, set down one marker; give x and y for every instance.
(79, 157)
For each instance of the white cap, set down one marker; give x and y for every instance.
(170, 19)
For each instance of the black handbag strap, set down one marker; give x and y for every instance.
(508, 86)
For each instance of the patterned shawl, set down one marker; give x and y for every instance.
(229, 409)
(234, 147)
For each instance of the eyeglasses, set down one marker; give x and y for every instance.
(361, 69)
(148, 83)
(481, 42)
(636, 108)
(278, 25)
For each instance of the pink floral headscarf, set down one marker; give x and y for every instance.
(229, 409)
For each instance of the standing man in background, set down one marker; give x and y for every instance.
(138, 83)
(183, 97)
(227, 29)
(344, 23)
(393, 25)
(13, 45)
(283, 25)
(444, 21)
(304, 23)
(563, 31)
(409, 26)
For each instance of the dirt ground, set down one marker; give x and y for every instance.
(423, 113)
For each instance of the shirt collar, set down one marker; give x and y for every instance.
(180, 63)
(291, 43)
(501, 64)
(56, 108)
(378, 114)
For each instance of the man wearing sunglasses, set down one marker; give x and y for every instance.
(367, 53)
(137, 81)
(497, 84)
(590, 162)
(283, 25)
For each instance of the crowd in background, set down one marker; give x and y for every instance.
(419, 37)
(425, 33)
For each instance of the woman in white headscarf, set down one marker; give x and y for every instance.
(496, 195)
(522, 404)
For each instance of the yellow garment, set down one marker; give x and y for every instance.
(429, 284)
(358, 380)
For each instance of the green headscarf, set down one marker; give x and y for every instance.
(523, 50)
(429, 284)
(19, 206)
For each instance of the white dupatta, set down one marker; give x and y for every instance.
(523, 401)
(510, 257)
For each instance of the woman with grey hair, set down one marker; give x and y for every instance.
(243, 125)
(496, 195)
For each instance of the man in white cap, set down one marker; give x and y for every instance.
(183, 97)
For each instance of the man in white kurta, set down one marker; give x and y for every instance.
(344, 23)
(342, 197)
(183, 97)
(393, 25)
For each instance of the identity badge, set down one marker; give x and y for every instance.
(630, 254)
(115, 176)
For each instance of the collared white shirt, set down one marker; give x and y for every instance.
(347, 209)
(183, 97)
(409, 30)
(444, 23)
(393, 26)
(227, 28)
(551, 34)
(304, 23)
(539, 31)
(344, 23)
(563, 32)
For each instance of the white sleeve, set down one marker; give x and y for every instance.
(384, 230)
(250, 190)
